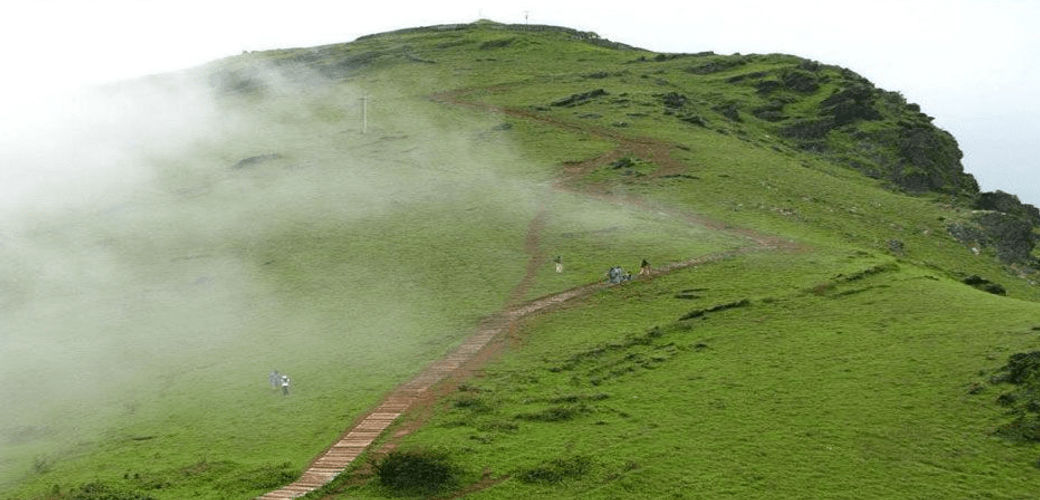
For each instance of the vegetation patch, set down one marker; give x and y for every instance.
(497, 43)
(698, 313)
(984, 284)
(417, 472)
(582, 98)
(556, 470)
(99, 490)
(266, 477)
(716, 66)
(1023, 402)
(472, 403)
(255, 160)
(555, 413)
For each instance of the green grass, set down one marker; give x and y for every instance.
(796, 392)
(140, 326)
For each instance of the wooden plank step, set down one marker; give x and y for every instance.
(362, 435)
(352, 443)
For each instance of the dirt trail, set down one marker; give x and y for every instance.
(655, 150)
(418, 394)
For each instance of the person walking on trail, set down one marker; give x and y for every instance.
(644, 268)
(275, 379)
(559, 263)
(285, 385)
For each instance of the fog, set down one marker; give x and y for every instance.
(968, 63)
(172, 231)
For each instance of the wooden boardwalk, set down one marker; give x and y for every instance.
(342, 453)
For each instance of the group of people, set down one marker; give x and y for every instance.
(615, 275)
(618, 275)
(279, 380)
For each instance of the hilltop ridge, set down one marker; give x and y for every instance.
(783, 101)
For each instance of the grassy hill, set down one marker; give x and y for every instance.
(867, 294)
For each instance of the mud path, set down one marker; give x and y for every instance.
(536, 257)
(418, 396)
(655, 150)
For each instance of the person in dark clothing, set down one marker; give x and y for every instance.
(644, 268)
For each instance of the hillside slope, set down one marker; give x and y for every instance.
(839, 357)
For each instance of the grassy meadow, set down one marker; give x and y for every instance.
(140, 323)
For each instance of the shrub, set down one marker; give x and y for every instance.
(1021, 368)
(556, 470)
(417, 472)
(554, 414)
(102, 491)
(984, 285)
(1023, 371)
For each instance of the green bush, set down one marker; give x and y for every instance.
(417, 472)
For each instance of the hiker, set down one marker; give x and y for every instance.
(275, 379)
(644, 268)
(559, 263)
(285, 385)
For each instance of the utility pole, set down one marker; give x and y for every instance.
(364, 114)
(526, 13)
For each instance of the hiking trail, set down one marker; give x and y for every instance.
(492, 332)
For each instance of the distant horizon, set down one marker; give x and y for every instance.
(967, 63)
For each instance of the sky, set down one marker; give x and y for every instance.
(969, 63)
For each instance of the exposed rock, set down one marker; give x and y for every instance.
(693, 119)
(1008, 204)
(897, 247)
(582, 98)
(729, 110)
(1013, 237)
(716, 66)
(799, 81)
(674, 100)
(851, 103)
